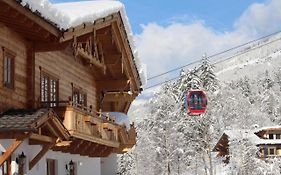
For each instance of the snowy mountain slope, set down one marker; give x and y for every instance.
(251, 60)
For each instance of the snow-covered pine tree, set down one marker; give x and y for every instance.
(207, 76)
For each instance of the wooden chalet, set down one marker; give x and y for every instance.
(267, 139)
(57, 89)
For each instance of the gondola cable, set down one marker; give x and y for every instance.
(214, 55)
(219, 61)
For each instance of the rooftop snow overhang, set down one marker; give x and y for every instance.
(27, 23)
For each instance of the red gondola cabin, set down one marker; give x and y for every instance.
(196, 102)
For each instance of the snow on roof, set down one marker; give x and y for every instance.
(250, 134)
(67, 15)
(268, 128)
(239, 134)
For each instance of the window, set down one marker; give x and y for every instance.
(265, 151)
(270, 136)
(271, 151)
(51, 167)
(49, 90)
(5, 169)
(79, 97)
(8, 69)
(278, 136)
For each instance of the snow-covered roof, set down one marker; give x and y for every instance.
(238, 134)
(67, 15)
(267, 128)
(250, 134)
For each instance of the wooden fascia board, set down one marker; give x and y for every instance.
(87, 28)
(119, 31)
(10, 150)
(95, 139)
(38, 20)
(61, 130)
(36, 159)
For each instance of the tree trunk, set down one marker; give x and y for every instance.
(205, 167)
(210, 160)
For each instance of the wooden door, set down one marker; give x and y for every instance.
(51, 167)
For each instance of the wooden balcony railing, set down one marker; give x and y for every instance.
(84, 123)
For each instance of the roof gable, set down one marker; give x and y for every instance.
(69, 15)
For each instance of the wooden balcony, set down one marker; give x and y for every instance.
(100, 129)
(127, 138)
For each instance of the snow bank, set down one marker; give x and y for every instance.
(67, 15)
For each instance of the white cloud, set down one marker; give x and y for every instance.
(165, 47)
(260, 18)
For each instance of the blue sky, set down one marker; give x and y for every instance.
(217, 14)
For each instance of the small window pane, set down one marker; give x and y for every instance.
(270, 136)
(8, 70)
(49, 92)
(271, 151)
(277, 136)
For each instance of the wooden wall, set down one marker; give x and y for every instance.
(63, 66)
(60, 64)
(13, 98)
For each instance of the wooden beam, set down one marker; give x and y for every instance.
(36, 159)
(113, 85)
(59, 127)
(76, 147)
(9, 151)
(33, 17)
(91, 138)
(63, 143)
(42, 138)
(86, 149)
(118, 97)
(53, 131)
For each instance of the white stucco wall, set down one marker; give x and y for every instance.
(85, 165)
(109, 165)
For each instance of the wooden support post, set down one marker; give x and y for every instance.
(36, 159)
(10, 150)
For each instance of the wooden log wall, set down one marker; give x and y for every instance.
(63, 66)
(16, 97)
